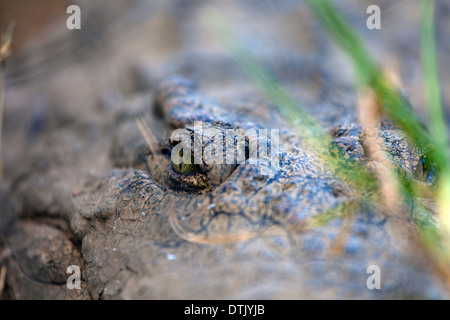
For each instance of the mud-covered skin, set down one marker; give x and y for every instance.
(405, 159)
(161, 241)
(42, 255)
(90, 184)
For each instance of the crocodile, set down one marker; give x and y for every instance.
(104, 194)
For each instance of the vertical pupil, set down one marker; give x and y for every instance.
(182, 164)
(183, 167)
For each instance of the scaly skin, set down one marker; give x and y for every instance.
(85, 189)
(146, 232)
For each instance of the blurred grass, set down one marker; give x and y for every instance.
(432, 141)
(438, 126)
(306, 126)
(368, 73)
(369, 76)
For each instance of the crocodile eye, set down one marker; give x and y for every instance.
(184, 174)
(424, 170)
(212, 164)
(182, 167)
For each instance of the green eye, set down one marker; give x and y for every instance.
(427, 169)
(184, 168)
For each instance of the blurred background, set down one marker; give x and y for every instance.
(115, 34)
(60, 75)
(58, 78)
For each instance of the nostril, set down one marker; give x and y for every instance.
(247, 148)
(166, 152)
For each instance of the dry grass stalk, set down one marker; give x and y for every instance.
(370, 115)
(5, 52)
(5, 254)
(338, 245)
(149, 137)
(2, 106)
(2, 279)
(216, 238)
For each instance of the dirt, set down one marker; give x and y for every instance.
(76, 192)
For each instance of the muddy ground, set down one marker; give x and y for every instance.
(66, 91)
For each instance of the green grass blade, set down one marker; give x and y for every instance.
(438, 127)
(306, 126)
(367, 72)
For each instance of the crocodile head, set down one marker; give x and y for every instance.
(218, 223)
(187, 191)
